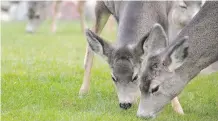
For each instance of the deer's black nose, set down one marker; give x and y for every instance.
(125, 105)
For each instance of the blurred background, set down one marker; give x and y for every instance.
(17, 10)
(35, 13)
(42, 56)
(42, 67)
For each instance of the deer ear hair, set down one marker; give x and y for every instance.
(176, 53)
(98, 44)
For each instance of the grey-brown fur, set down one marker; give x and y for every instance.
(181, 14)
(135, 20)
(196, 46)
(203, 40)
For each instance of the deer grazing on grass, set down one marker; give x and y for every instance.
(170, 68)
(37, 12)
(135, 19)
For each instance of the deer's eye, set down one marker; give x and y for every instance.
(183, 5)
(114, 79)
(135, 78)
(155, 89)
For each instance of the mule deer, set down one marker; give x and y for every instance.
(135, 19)
(182, 12)
(37, 12)
(169, 69)
(56, 9)
(180, 15)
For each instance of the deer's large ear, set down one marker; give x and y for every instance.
(98, 45)
(141, 47)
(157, 39)
(176, 54)
(153, 41)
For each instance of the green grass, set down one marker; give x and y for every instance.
(42, 75)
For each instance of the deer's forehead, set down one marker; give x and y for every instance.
(122, 65)
(122, 53)
(122, 68)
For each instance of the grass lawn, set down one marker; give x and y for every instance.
(41, 76)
